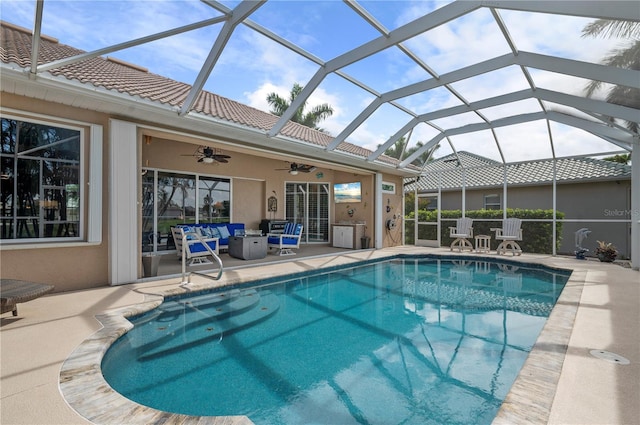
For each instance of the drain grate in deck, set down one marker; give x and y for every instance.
(609, 356)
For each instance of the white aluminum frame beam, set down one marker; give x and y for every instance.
(241, 12)
(626, 141)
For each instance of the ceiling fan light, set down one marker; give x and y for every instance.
(293, 172)
(207, 160)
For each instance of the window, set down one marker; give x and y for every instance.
(180, 198)
(492, 202)
(214, 204)
(41, 196)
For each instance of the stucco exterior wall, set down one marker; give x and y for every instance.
(80, 265)
(68, 266)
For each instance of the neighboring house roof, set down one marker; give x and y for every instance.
(478, 172)
(115, 75)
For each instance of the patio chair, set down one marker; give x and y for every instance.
(14, 291)
(462, 231)
(287, 240)
(195, 251)
(509, 234)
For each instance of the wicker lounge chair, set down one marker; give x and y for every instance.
(14, 291)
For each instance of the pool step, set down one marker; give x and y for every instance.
(204, 323)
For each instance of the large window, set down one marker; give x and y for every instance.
(180, 198)
(41, 196)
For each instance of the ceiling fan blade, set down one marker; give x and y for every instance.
(218, 157)
(222, 160)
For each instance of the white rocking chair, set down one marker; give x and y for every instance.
(509, 234)
(462, 231)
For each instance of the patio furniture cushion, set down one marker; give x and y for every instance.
(287, 240)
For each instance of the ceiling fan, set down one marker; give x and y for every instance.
(295, 168)
(209, 155)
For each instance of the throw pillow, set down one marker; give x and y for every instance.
(224, 232)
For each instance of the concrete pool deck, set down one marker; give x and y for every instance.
(561, 383)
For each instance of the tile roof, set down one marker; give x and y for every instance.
(115, 75)
(484, 172)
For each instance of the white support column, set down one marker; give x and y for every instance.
(123, 205)
(378, 215)
(464, 192)
(554, 190)
(504, 192)
(635, 207)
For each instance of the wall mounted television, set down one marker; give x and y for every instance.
(344, 193)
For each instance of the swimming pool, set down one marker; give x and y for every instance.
(411, 340)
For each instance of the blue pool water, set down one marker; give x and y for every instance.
(403, 341)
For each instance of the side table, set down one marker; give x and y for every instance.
(248, 247)
(483, 244)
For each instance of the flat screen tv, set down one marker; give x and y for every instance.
(344, 193)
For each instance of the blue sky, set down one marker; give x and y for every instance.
(253, 66)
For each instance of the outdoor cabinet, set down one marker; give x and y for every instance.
(348, 235)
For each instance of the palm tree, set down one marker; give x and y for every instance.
(309, 119)
(621, 159)
(625, 57)
(397, 150)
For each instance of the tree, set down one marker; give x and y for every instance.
(309, 119)
(621, 159)
(397, 149)
(627, 56)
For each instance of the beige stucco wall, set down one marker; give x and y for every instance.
(67, 267)
(73, 266)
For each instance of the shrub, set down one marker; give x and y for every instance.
(537, 236)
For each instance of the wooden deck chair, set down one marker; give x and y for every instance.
(462, 232)
(509, 234)
(287, 240)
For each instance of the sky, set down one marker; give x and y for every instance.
(252, 66)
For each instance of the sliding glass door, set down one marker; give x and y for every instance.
(171, 198)
(308, 203)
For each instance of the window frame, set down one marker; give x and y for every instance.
(486, 204)
(89, 182)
